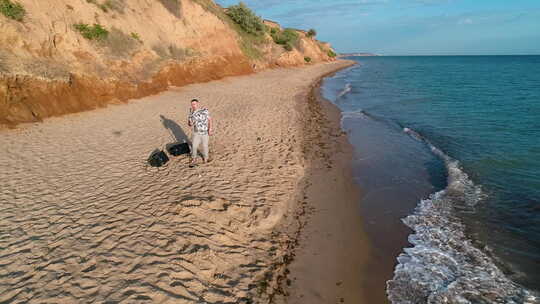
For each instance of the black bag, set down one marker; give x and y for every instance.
(178, 149)
(158, 158)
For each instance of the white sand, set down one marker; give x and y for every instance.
(83, 218)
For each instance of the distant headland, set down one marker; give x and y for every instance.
(357, 54)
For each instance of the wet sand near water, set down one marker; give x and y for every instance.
(83, 218)
(333, 258)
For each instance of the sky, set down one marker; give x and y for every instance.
(412, 27)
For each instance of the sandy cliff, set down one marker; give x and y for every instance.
(48, 67)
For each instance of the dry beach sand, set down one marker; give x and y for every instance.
(84, 219)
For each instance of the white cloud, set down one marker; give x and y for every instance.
(465, 21)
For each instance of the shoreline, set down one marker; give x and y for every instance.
(333, 251)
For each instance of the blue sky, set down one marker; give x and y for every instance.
(412, 27)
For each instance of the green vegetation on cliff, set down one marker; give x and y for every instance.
(95, 32)
(250, 28)
(288, 38)
(136, 37)
(331, 53)
(116, 43)
(246, 18)
(12, 10)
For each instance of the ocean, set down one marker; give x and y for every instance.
(447, 156)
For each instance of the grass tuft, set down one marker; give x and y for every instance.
(136, 37)
(95, 32)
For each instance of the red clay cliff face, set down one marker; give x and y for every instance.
(47, 68)
(28, 99)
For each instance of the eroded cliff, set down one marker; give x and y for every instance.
(66, 56)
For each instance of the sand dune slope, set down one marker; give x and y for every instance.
(84, 219)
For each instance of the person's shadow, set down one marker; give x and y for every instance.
(176, 131)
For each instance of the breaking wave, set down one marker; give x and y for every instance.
(345, 90)
(443, 265)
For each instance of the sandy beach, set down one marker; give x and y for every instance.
(332, 260)
(85, 219)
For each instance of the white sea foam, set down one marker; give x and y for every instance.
(345, 90)
(443, 266)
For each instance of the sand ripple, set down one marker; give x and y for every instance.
(84, 219)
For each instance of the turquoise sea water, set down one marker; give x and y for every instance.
(459, 136)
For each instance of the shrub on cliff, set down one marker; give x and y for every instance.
(331, 53)
(95, 32)
(12, 10)
(312, 33)
(246, 18)
(288, 47)
(307, 59)
(288, 38)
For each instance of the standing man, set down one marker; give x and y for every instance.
(200, 120)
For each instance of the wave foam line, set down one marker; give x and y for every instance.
(443, 266)
(346, 90)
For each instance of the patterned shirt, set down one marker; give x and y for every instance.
(199, 120)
